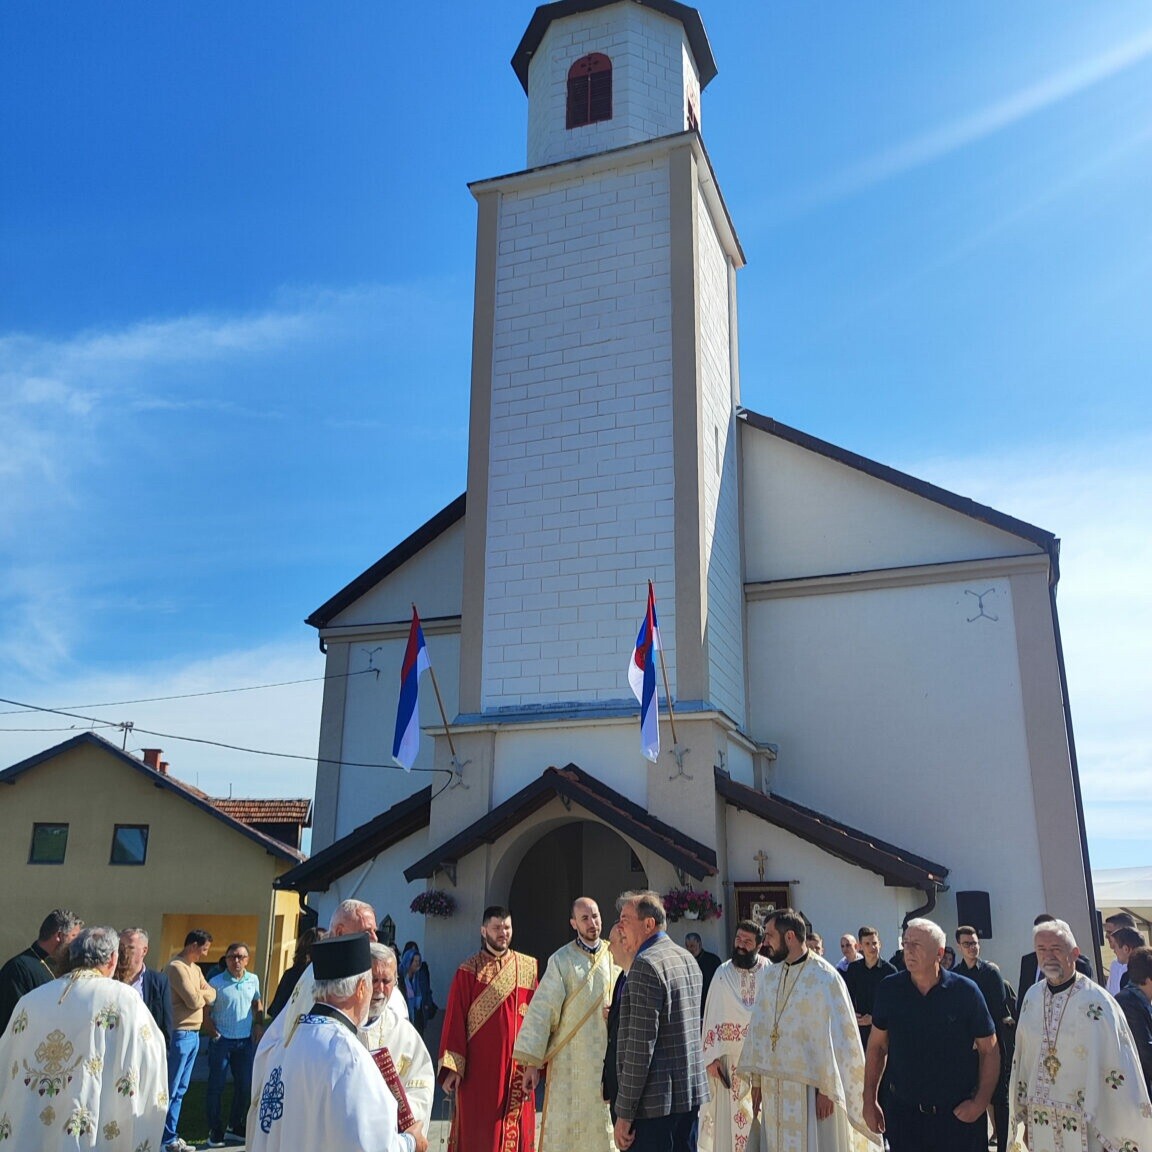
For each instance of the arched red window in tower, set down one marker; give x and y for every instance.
(590, 90)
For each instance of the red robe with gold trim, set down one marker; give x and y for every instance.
(486, 1003)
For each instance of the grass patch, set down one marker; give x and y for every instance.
(194, 1111)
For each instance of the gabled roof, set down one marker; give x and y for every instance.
(360, 845)
(546, 13)
(966, 507)
(257, 811)
(387, 564)
(169, 783)
(900, 868)
(577, 786)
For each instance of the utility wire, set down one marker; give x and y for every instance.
(212, 743)
(195, 695)
(69, 728)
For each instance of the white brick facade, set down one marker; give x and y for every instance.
(654, 79)
(720, 508)
(580, 481)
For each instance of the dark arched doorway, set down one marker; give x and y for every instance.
(581, 858)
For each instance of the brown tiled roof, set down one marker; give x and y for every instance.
(266, 811)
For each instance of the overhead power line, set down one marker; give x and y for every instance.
(95, 721)
(196, 695)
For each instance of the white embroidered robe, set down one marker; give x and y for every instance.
(726, 1119)
(82, 1065)
(565, 1029)
(1097, 1100)
(413, 1062)
(817, 1047)
(319, 1089)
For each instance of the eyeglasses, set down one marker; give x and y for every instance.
(236, 956)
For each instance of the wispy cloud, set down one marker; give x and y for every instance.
(980, 125)
(282, 719)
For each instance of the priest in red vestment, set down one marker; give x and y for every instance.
(489, 995)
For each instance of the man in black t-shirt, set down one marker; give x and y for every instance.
(863, 978)
(988, 979)
(932, 1031)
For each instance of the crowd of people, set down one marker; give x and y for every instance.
(627, 1040)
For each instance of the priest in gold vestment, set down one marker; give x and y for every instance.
(803, 1053)
(565, 1029)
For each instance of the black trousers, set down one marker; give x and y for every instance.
(911, 1129)
(675, 1133)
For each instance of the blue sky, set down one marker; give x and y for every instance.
(235, 320)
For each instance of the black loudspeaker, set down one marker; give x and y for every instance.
(972, 908)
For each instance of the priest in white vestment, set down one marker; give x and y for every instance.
(726, 1120)
(386, 1029)
(84, 1064)
(565, 1028)
(802, 1053)
(318, 1088)
(1076, 1079)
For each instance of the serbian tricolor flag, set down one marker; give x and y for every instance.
(642, 678)
(407, 741)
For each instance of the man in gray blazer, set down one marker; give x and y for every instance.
(659, 1062)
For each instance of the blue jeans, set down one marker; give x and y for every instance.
(182, 1051)
(222, 1055)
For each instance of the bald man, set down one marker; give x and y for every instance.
(566, 1028)
(349, 918)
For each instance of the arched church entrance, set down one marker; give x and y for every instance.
(581, 858)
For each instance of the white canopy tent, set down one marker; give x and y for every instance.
(1125, 890)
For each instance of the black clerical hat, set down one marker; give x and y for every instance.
(341, 956)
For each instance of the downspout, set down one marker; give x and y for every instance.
(1054, 556)
(930, 889)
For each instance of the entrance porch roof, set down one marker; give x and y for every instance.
(319, 872)
(898, 867)
(573, 785)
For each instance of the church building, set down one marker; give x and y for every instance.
(869, 715)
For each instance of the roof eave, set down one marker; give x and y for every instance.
(544, 16)
(898, 869)
(964, 505)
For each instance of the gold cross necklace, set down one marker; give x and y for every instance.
(774, 1035)
(1051, 1061)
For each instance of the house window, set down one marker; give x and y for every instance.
(590, 90)
(49, 843)
(129, 844)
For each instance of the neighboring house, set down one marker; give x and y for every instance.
(86, 826)
(283, 820)
(871, 708)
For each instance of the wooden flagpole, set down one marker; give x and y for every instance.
(439, 701)
(664, 673)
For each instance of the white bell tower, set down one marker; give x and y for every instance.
(603, 76)
(604, 379)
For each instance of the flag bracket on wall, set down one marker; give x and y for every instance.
(679, 752)
(458, 776)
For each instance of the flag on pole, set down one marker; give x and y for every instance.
(407, 741)
(642, 678)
